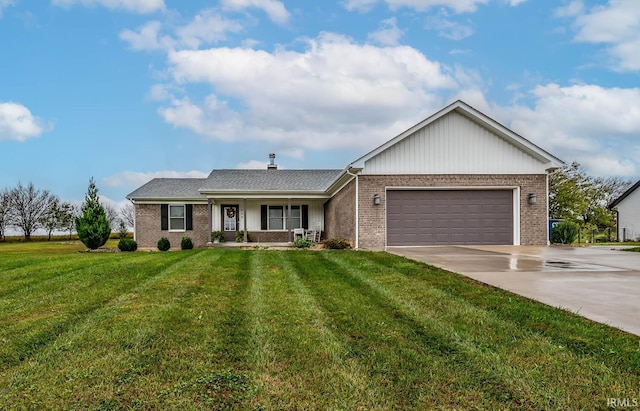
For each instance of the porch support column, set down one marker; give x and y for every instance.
(289, 220)
(244, 221)
(209, 218)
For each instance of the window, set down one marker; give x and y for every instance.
(296, 217)
(277, 217)
(176, 217)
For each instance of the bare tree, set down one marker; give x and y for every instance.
(614, 187)
(50, 219)
(68, 214)
(28, 205)
(127, 215)
(5, 213)
(112, 214)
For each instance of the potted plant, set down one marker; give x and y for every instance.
(240, 236)
(217, 237)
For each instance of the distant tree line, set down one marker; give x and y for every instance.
(583, 199)
(28, 209)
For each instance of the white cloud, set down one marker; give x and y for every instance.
(584, 123)
(575, 8)
(389, 34)
(116, 205)
(514, 3)
(616, 24)
(162, 92)
(253, 165)
(609, 163)
(334, 94)
(274, 9)
(17, 123)
(134, 6)
(359, 5)
(136, 179)
(4, 4)
(207, 27)
(214, 119)
(147, 37)
(446, 28)
(458, 6)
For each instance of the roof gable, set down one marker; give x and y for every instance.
(447, 141)
(624, 195)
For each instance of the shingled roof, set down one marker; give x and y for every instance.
(169, 188)
(237, 181)
(269, 180)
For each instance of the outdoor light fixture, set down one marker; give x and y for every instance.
(376, 199)
(532, 198)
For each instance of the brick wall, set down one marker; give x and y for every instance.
(340, 214)
(533, 218)
(269, 236)
(148, 230)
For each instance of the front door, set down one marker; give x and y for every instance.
(230, 220)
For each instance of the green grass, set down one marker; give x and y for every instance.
(256, 329)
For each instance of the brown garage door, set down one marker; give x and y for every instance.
(439, 217)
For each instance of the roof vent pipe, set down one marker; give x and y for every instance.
(272, 165)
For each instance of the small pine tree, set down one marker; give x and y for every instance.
(122, 230)
(92, 226)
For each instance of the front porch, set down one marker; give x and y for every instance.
(273, 220)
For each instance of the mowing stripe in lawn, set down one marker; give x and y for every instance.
(32, 270)
(62, 302)
(510, 355)
(381, 340)
(94, 348)
(246, 329)
(295, 349)
(494, 377)
(211, 368)
(580, 335)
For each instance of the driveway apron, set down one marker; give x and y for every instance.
(599, 283)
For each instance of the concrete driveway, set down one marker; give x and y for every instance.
(598, 283)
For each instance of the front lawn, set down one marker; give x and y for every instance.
(262, 329)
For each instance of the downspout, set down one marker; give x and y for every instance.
(357, 208)
(547, 222)
(134, 219)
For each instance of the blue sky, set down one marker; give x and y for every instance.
(128, 90)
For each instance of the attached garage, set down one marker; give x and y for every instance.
(442, 217)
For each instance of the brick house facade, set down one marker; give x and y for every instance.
(456, 150)
(149, 217)
(533, 222)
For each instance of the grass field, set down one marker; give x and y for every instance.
(262, 329)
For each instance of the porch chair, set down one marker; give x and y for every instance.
(314, 235)
(298, 232)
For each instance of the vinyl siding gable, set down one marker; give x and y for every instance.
(453, 144)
